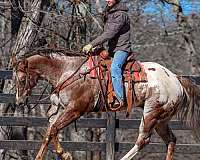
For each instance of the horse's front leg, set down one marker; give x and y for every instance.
(68, 116)
(52, 134)
(44, 145)
(47, 138)
(59, 150)
(170, 150)
(57, 122)
(65, 119)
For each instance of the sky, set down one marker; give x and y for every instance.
(189, 6)
(156, 7)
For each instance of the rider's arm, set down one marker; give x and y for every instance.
(112, 27)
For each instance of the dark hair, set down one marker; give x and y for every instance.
(106, 11)
(105, 14)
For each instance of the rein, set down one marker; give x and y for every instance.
(71, 79)
(101, 86)
(40, 98)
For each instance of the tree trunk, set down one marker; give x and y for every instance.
(25, 36)
(4, 54)
(28, 29)
(187, 36)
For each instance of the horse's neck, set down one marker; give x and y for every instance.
(48, 69)
(55, 69)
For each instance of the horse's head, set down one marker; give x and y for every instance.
(25, 79)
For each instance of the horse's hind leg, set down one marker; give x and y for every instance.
(168, 137)
(148, 123)
(142, 140)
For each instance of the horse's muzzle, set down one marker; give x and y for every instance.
(19, 101)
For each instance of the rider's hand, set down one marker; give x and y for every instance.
(87, 48)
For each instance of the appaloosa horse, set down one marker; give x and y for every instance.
(162, 96)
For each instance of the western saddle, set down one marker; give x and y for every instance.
(133, 72)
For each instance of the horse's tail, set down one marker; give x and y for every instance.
(189, 111)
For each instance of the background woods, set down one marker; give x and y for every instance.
(163, 31)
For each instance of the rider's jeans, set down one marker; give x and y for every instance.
(116, 73)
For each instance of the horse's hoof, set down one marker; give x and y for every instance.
(66, 156)
(38, 158)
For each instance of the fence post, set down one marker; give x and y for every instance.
(110, 136)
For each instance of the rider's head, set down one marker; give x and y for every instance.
(111, 3)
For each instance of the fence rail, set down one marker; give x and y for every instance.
(97, 146)
(81, 123)
(111, 124)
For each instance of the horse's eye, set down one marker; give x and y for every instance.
(23, 81)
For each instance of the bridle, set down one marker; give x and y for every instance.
(25, 82)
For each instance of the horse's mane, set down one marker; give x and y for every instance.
(47, 52)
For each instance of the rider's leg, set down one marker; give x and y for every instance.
(116, 73)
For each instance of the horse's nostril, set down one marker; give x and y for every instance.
(19, 104)
(19, 101)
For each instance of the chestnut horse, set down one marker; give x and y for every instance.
(161, 97)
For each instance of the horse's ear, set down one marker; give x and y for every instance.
(1, 63)
(26, 62)
(22, 62)
(14, 61)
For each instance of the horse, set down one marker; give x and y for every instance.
(163, 95)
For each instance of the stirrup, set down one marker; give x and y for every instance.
(117, 103)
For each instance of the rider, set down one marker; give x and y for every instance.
(117, 33)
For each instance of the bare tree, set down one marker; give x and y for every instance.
(28, 28)
(182, 21)
(26, 34)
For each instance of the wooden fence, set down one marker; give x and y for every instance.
(111, 124)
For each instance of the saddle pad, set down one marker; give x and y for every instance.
(135, 72)
(132, 71)
(90, 65)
